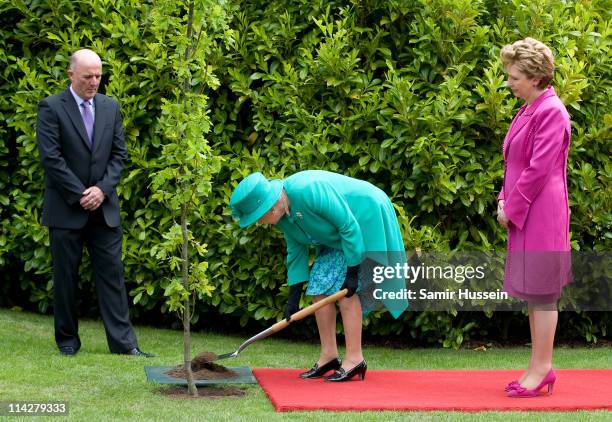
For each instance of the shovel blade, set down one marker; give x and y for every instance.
(227, 355)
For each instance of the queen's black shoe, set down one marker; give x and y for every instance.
(343, 375)
(318, 371)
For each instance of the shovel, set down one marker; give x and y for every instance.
(302, 313)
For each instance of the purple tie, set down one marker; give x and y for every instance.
(88, 120)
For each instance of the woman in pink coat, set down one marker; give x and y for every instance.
(533, 204)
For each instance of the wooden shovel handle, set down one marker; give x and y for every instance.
(309, 310)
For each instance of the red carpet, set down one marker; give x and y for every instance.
(461, 390)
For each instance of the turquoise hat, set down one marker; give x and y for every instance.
(253, 197)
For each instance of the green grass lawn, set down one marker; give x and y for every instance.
(99, 386)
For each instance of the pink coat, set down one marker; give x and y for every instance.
(535, 191)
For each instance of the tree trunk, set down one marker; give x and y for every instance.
(187, 313)
(185, 255)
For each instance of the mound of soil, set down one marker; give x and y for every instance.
(205, 357)
(203, 369)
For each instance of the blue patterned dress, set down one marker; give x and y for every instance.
(328, 272)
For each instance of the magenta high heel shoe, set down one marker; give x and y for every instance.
(512, 385)
(521, 392)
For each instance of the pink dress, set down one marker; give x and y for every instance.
(538, 262)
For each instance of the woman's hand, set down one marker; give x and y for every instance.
(351, 282)
(293, 302)
(501, 215)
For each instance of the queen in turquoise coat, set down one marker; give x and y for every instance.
(346, 220)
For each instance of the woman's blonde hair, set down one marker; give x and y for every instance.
(532, 57)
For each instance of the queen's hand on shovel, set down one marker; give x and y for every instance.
(293, 302)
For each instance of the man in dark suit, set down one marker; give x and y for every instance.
(82, 150)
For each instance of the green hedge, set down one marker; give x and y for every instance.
(409, 95)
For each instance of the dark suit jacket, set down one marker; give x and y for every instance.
(71, 165)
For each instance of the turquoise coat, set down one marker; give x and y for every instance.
(339, 212)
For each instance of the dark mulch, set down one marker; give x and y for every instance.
(181, 392)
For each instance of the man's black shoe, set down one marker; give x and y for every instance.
(137, 352)
(68, 351)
